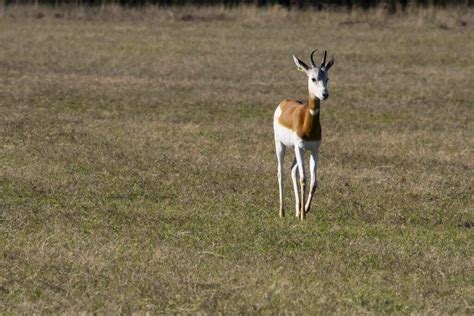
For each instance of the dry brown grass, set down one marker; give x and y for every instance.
(138, 171)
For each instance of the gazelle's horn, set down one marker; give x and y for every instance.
(324, 59)
(312, 60)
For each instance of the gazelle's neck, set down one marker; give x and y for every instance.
(311, 123)
(313, 104)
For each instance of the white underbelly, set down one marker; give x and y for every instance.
(284, 135)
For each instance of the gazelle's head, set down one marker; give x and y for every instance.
(317, 76)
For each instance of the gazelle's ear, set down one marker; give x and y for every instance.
(300, 64)
(330, 63)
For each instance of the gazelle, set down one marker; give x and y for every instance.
(297, 125)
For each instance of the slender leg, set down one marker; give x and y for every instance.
(294, 175)
(280, 152)
(299, 160)
(313, 167)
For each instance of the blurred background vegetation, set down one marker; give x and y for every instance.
(391, 5)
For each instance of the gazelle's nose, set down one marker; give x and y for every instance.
(325, 94)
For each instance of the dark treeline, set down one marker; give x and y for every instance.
(318, 4)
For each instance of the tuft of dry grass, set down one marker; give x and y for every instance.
(137, 167)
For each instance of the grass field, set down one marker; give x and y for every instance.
(138, 170)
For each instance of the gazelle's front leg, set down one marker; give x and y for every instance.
(299, 160)
(294, 176)
(280, 152)
(313, 168)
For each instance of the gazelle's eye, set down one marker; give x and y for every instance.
(314, 79)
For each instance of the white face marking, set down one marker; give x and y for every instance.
(318, 82)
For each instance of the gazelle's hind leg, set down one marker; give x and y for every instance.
(280, 152)
(294, 175)
(313, 168)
